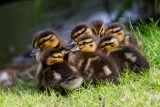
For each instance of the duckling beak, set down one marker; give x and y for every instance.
(34, 51)
(72, 44)
(75, 48)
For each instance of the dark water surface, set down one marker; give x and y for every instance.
(17, 25)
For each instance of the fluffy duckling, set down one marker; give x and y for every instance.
(123, 55)
(79, 30)
(57, 73)
(92, 65)
(97, 27)
(44, 40)
(124, 37)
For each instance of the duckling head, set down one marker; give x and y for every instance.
(45, 39)
(52, 56)
(108, 43)
(86, 43)
(97, 27)
(117, 30)
(80, 30)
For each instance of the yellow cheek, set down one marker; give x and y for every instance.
(108, 48)
(88, 49)
(49, 44)
(54, 44)
(120, 36)
(51, 61)
(58, 60)
(93, 49)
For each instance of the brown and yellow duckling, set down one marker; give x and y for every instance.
(44, 40)
(97, 27)
(124, 37)
(57, 73)
(122, 54)
(94, 28)
(92, 65)
(79, 30)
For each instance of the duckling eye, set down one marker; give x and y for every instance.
(109, 39)
(59, 56)
(84, 43)
(52, 40)
(90, 45)
(112, 31)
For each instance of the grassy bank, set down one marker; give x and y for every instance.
(134, 90)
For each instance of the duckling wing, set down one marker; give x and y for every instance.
(135, 60)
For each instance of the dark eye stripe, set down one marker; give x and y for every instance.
(106, 44)
(44, 41)
(116, 30)
(85, 43)
(76, 36)
(57, 57)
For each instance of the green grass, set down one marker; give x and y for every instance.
(134, 90)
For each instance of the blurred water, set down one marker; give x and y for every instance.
(17, 24)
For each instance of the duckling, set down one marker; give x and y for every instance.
(58, 73)
(122, 54)
(97, 27)
(44, 40)
(124, 37)
(92, 65)
(47, 39)
(79, 30)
